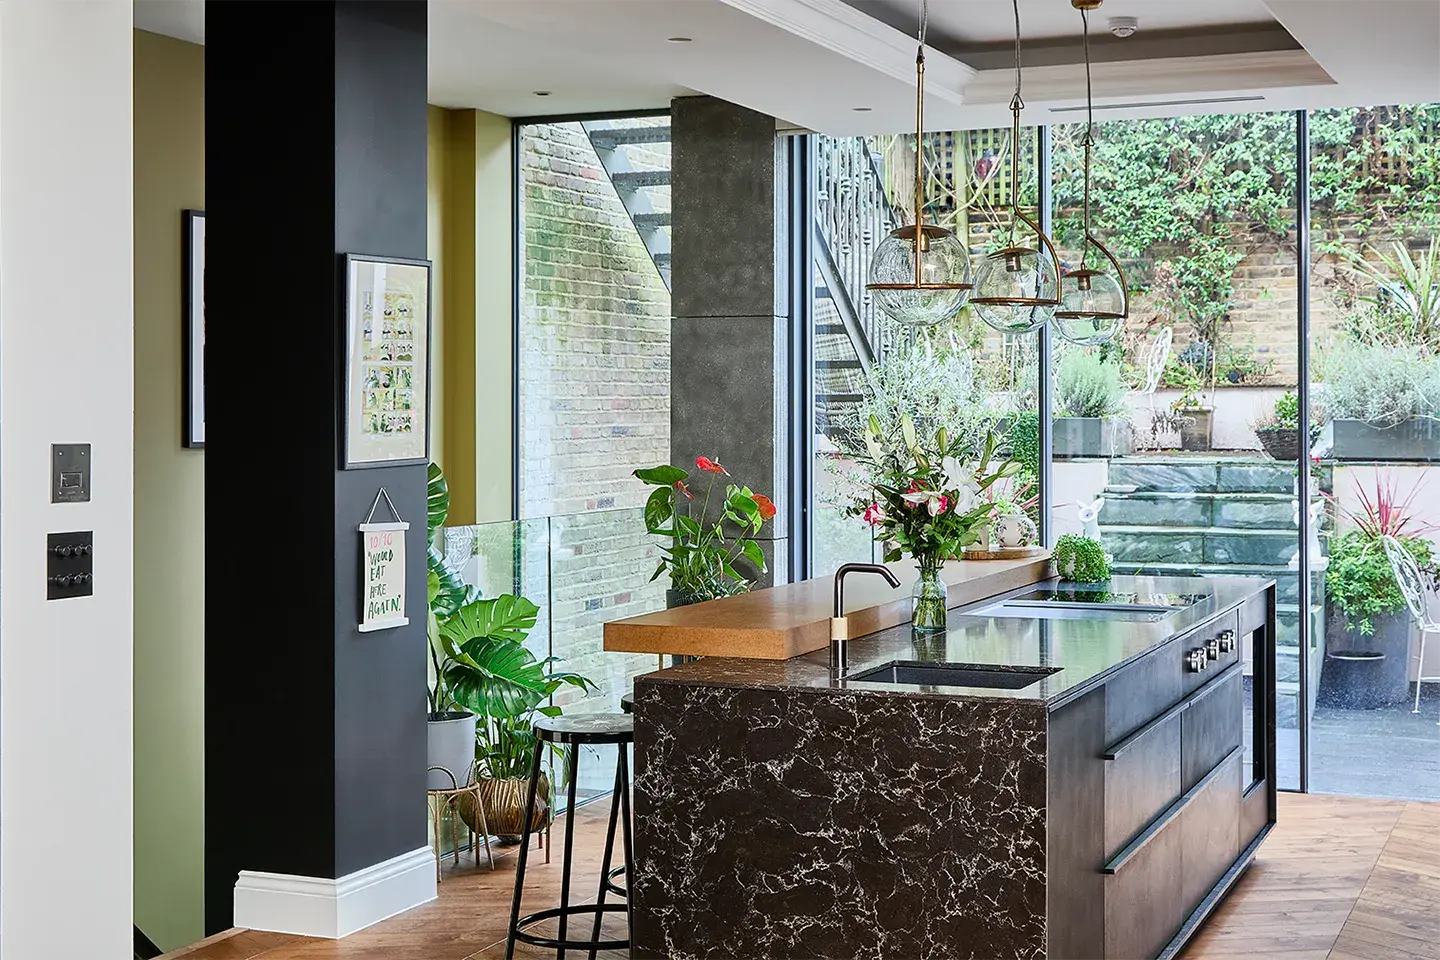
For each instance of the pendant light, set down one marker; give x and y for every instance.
(1094, 302)
(920, 274)
(1018, 288)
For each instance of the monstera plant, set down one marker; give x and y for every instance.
(481, 669)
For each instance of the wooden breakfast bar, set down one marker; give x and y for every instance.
(793, 619)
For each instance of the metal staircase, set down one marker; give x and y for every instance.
(852, 216)
(635, 153)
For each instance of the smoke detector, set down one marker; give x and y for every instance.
(1123, 27)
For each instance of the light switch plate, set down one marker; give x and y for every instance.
(69, 472)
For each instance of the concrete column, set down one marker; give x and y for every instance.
(730, 277)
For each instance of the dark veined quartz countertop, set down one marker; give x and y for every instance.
(1084, 650)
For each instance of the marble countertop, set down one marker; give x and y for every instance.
(1085, 651)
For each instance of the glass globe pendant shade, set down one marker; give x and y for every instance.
(1016, 290)
(944, 280)
(1092, 307)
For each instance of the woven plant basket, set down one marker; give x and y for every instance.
(1282, 443)
(504, 801)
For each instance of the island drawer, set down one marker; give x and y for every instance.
(1148, 770)
(1142, 778)
(1160, 877)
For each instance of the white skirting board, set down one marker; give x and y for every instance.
(317, 907)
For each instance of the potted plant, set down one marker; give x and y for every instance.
(1194, 418)
(925, 496)
(483, 666)
(450, 730)
(704, 545)
(1279, 432)
(1081, 559)
(1381, 401)
(1090, 407)
(1367, 623)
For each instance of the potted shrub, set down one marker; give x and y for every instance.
(1367, 624)
(1193, 417)
(1279, 432)
(1381, 401)
(483, 666)
(705, 545)
(1090, 407)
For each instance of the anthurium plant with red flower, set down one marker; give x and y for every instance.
(704, 543)
(928, 497)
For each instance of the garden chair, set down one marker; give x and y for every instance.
(1157, 354)
(1412, 585)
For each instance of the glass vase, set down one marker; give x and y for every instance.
(927, 616)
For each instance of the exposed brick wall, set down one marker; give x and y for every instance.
(1262, 314)
(594, 397)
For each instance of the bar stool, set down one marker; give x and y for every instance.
(575, 732)
(627, 704)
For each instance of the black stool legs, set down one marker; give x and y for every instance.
(534, 786)
(573, 732)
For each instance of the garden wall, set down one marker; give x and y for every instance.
(594, 384)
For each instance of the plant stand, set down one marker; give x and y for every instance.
(444, 802)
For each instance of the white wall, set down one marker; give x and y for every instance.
(65, 376)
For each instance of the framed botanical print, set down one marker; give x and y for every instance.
(192, 328)
(387, 361)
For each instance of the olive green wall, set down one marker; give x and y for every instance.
(470, 242)
(169, 505)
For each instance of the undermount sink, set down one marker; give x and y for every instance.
(911, 673)
(1062, 604)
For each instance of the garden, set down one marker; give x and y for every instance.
(1186, 427)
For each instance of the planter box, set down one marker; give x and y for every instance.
(1195, 433)
(1090, 437)
(1409, 440)
(1366, 673)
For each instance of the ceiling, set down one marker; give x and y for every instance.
(993, 21)
(847, 66)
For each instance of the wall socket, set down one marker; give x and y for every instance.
(69, 472)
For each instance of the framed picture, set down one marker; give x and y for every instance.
(192, 327)
(387, 362)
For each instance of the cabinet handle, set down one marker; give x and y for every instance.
(1117, 863)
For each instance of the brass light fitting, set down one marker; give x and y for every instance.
(1018, 288)
(1095, 303)
(920, 273)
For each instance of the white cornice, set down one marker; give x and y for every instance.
(842, 29)
(1154, 78)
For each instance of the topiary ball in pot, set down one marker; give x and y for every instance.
(1081, 559)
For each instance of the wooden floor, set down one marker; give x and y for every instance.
(1338, 879)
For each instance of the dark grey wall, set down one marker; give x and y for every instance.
(729, 349)
(315, 733)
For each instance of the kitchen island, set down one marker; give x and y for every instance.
(1063, 774)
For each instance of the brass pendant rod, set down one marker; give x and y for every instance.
(919, 153)
(1089, 141)
(1016, 105)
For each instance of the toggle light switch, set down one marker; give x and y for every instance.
(70, 565)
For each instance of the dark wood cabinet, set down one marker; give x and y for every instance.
(1211, 726)
(1142, 899)
(1175, 816)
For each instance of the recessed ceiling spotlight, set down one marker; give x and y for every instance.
(542, 93)
(862, 109)
(1123, 27)
(678, 39)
